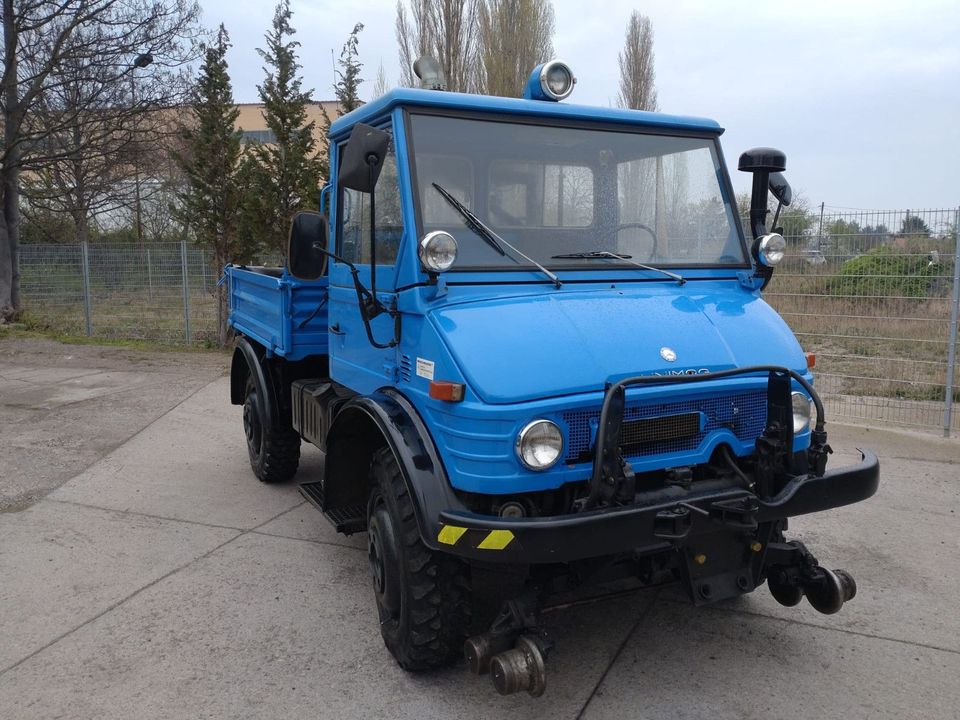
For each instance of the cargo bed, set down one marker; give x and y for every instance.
(286, 316)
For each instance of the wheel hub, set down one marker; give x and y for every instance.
(251, 423)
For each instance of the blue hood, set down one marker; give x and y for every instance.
(572, 341)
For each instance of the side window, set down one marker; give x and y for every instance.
(355, 218)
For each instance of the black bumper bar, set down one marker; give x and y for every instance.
(666, 520)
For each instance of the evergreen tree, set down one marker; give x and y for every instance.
(211, 201)
(285, 174)
(346, 89)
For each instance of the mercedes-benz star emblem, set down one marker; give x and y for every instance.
(668, 354)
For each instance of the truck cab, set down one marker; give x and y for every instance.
(530, 336)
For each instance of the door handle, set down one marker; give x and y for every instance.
(335, 330)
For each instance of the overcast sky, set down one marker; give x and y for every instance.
(863, 97)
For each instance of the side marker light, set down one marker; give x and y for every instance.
(446, 391)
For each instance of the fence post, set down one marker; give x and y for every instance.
(186, 290)
(85, 273)
(149, 277)
(952, 332)
(820, 231)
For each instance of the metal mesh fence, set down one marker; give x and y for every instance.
(163, 292)
(873, 294)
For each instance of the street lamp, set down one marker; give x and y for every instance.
(141, 61)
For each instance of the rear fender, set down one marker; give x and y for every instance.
(366, 423)
(248, 359)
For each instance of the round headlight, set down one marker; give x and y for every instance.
(539, 445)
(557, 80)
(771, 248)
(438, 251)
(801, 412)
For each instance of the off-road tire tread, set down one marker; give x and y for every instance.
(280, 453)
(439, 597)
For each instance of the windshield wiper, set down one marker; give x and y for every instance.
(484, 231)
(617, 256)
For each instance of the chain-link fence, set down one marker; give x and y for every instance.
(873, 294)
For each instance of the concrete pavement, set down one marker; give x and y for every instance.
(164, 581)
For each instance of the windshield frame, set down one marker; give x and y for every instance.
(726, 186)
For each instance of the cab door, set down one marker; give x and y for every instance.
(354, 361)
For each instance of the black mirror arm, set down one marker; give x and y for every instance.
(368, 303)
(776, 216)
(758, 204)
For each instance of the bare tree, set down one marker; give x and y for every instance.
(443, 29)
(637, 88)
(514, 37)
(380, 85)
(66, 66)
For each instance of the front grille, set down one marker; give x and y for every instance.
(744, 414)
(635, 434)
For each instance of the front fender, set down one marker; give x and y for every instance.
(363, 424)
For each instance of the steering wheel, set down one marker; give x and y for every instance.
(640, 226)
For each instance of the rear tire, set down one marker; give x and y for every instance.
(423, 597)
(274, 451)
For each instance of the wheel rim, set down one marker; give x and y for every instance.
(383, 564)
(251, 423)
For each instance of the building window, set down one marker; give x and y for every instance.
(257, 136)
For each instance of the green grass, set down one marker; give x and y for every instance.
(27, 330)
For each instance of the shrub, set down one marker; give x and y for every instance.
(886, 273)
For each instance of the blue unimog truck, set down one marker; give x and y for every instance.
(530, 339)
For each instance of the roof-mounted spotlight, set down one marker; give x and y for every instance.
(553, 80)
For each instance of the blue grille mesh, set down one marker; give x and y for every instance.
(745, 414)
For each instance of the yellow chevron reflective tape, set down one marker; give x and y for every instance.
(496, 540)
(449, 534)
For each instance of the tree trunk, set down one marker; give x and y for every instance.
(224, 334)
(10, 176)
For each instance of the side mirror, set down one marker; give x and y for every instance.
(307, 246)
(781, 189)
(363, 158)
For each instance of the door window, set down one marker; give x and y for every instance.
(388, 224)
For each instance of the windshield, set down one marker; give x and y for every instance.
(552, 191)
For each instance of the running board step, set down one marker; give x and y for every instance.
(346, 520)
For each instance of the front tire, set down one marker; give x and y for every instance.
(274, 451)
(423, 597)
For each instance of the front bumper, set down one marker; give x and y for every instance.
(667, 520)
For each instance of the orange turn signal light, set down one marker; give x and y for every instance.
(811, 360)
(446, 390)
